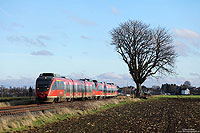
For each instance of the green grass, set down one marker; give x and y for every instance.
(174, 96)
(108, 106)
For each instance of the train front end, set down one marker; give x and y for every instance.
(43, 84)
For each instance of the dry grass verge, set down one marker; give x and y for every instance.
(4, 104)
(30, 120)
(13, 102)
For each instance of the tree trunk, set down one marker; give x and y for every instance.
(139, 90)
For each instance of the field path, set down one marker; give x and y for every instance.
(163, 115)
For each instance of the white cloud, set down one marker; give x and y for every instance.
(17, 25)
(43, 37)
(78, 76)
(20, 82)
(84, 37)
(186, 33)
(4, 12)
(119, 79)
(195, 74)
(187, 42)
(42, 52)
(85, 53)
(83, 21)
(38, 41)
(181, 48)
(115, 10)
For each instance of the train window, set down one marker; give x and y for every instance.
(105, 89)
(87, 88)
(71, 87)
(90, 88)
(99, 88)
(83, 88)
(75, 88)
(79, 88)
(68, 88)
(93, 87)
(60, 85)
(43, 84)
(53, 86)
(63, 85)
(57, 85)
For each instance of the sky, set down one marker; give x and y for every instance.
(72, 38)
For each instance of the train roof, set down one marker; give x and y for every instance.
(52, 75)
(49, 75)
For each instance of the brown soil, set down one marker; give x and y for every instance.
(163, 115)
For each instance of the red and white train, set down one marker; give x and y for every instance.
(51, 87)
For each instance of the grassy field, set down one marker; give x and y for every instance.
(163, 114)
(175, 96)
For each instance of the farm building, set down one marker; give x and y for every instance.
(185, 91)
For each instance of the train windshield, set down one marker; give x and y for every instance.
(43, 85)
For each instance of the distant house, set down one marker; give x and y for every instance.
(126, 90)
(195, 91)
(185, 91)
(154, 91)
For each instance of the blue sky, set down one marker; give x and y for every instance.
(72, 38)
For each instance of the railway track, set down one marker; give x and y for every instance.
(20, 109)
(12, 110)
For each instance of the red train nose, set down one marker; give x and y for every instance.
(42, 96)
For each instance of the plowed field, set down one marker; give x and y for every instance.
(162, 115)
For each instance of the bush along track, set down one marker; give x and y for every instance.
(30, 121)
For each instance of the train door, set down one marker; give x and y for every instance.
(70, 90)
(90, 90)
(105, 90)
(93, 90)
(83, 90)
(75, 90)
(65, 89)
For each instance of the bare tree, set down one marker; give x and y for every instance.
(146, 51)
(187, 84)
